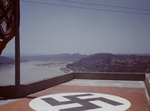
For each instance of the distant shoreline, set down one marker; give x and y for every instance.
(32, 71)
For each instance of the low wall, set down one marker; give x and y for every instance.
(26, 89)
(111, 76)
(147, 84)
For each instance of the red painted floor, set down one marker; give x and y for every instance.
(136, 96)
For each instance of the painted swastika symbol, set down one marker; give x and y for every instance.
(79, 102)
(86, 105)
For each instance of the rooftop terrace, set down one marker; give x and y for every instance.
(134, 87)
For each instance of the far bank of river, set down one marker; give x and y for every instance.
(32, 71)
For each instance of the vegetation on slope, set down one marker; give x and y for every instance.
(106, 62)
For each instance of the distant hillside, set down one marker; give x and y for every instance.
(105, 62)
(6, 61)
(58, 57)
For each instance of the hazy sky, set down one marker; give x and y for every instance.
(51, 29)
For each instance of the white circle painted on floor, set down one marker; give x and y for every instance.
(80, 102)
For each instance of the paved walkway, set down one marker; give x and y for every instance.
(85, 95)
(111, 83)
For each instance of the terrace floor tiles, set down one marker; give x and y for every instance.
(82, 98)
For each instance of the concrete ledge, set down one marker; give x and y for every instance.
(147, 84)
(26, 89)
(111, 76)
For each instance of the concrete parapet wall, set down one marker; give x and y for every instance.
(26, 89)
(111, 76)
(147, 84)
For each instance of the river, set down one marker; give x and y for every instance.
(31, 71)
